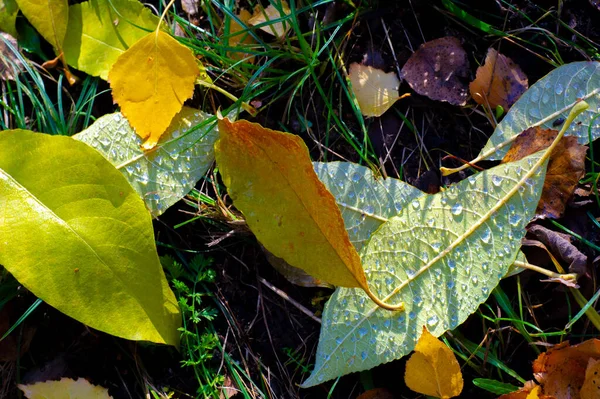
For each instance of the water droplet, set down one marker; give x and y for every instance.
(320, 377)
(363, 355)
(369, 209)
(558, 88)
(451, 264)
(515, 219)
(412, 315)
(486, 235)
(417, 300)
(535, 94)
(430, 222)
(472, 180)
(338, 340)
(534, 112)
(415, 204)
(389, 281)
(545, 98)
(436, 246)
(456, 209)
(424, 257)
(432, 321)
(398, 206)
(362, 332)
(485, 291)
(475, 280)
(464, 287)
(496, 180)
(485, 266)
(355, 177)
(453, 321)
(450, 284)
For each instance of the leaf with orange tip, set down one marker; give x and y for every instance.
(565, 167)
(499, 81)
(151, 81)
(375, 90)
(433, 370)
(271, 180)
(66, 388)
(272, 13)
(561, 371)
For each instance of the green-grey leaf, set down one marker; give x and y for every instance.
(99, 31)
(168, 172)
(441, 256)
(549, 99)
(365, 202)
(76, 234)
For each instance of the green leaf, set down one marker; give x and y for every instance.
(8, 16)
(76, 234)
(495, 387)
(49, 18)
(441, 256)
(99, 31)
(167, 173)
(548, 100)
(365, 202)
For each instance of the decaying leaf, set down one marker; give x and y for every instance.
(560, 244)
(10, 65)
(8, 16)
(272, 182)
(531, 390)
(190, 6)
(439, 69)
(565, 168)
(151, 81)
(293, 274)
(433, 369)
(99, 31)
(274, 12)
(591, 385)
(377, 393)
(561, 371)
(499, 81)
(238, 35)
(375, 90)
(66, 388)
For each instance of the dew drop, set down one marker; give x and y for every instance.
(497, 180)
(485, 266)
(417, 300)
(338, 341)
(534, 112)
(486, 235)
(475, 280)
(387, 323)
(535, 94)
(436, 246)
(355, 177)
(412, 315)
(363, 355)
(398, 206)
(485, 291)
(453, 321)
(456, 209)
(432, 321)
(430, 222)
(450, 284)
(451, 264)
(514, 220)
(320, 377)
(415, 204)
(362, 332)
(369, 209)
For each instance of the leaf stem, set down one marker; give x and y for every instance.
(162, 16)
(524, 265)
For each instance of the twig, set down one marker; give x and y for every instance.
(290, 300)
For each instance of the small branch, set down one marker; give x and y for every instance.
(290, 300)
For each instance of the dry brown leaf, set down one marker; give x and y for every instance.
(560, 244)
(439, 69)
(377, 393)
(293, 274)
(10, 65)
(561, 371)
(375, 90)
(272, 13)
(565, 168)
(591, 386)
(499, 81)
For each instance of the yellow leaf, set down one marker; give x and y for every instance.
(375, 90)
(66, 388)
(262, 15)
(151, 81)
(238, 35)
(534, 394)
(49, 18)
(591, 386)
(433, 370)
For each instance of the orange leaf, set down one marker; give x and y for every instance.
(433, 370)
(565, 168)
(238, 35)
(271, 180)
(591, 386)
(150, 81)
(499, 81)
(561, 371)
(530, 391)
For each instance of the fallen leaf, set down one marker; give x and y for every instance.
(499, 81)
(151, 81)
(272, 13)
(591, 385)
(375, 90)
(560, 244)
(49, 18)
(66, 388)
(239, 37)
(561, 371)
(439, 69)
(565, 168)
(100, 31)
(8, 16)
(271, 180)
(531, 390)
(433, 370)
(10, 65)
(377, 393)
(190, 6)
(293, 274)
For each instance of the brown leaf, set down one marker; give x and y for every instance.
(499, 81)
(560, 245)
(530, 389)
(10, 66)
(439, 70)
(377, 393)
(561, 371)
(565, 168)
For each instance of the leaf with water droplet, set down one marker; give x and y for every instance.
(471, 221)
(165, 174)
(365, 202)
(549, 99)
